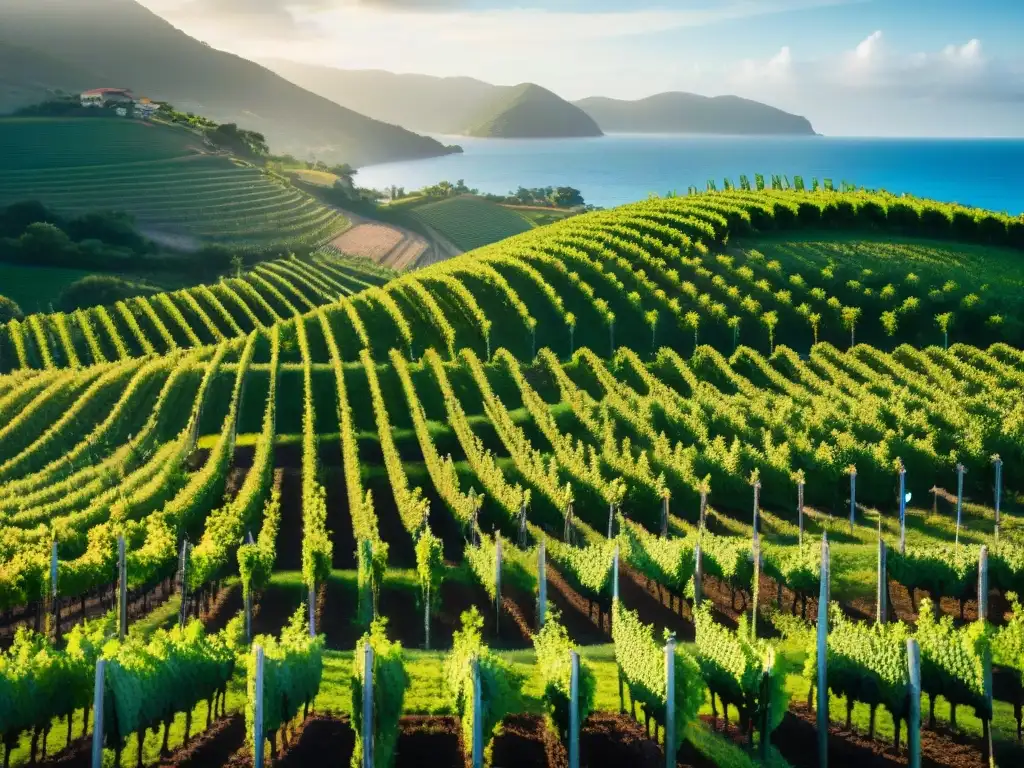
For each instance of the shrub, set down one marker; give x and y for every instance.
(100, 290)
(9, 310)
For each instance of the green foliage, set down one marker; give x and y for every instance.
(1008, 640)
(554, 648)
(292, 670)
(867, 662)
(500, 683)
(952, 660)
(642, 665)
(587, 569)
(940, 570)
(799, 568)
(734, 667)
(390, 681)
(9, 310)
(96, 290)
(39, 683)
(430, 568)
(148, 683)
(668, 561)
(256, 560)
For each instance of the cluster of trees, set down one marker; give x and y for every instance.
(31, 233)
(229, 136)
(548, 197)
(555, 197)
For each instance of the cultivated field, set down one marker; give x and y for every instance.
(160, 175)
(469, 222)
(615, 427)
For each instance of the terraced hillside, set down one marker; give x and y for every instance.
(163, 175)
(186, 318)
(470, 222)
(677, 273)
(514, 432)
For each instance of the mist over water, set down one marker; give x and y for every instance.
(618, 169)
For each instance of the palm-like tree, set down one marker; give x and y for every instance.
(692, 320)
(734, 323)
(770, 320)
(944, 321)
(850, 316)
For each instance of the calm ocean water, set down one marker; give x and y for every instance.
(612, 170)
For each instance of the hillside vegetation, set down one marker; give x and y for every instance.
(574, 407)
(160, 175)
(690, 113)
(28, 76)
(470, 223)
(664, 272)
(143, 52)
(530, 112)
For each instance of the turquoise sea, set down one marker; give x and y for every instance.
(617, 169)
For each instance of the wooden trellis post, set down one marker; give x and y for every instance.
(757, 503)
(183, 572)
(497, 583)
(823, 598)
(914, 720)
(542, 583)
(312, 608)
(574, 710)
(258, 737)
(122, 591)
(54, 594)
(477, 751)
(670, 702)
(853, 497)
(664, 515)
(97, 710)
(883, 583)
(960, 470)
(800, 509)
(698, 575)
(368, 729)
(999, 489)
(903, 509)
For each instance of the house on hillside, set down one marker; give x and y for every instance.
(104, 97)
(145, 108)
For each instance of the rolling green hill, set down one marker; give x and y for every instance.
(719, 269)
(159, 174)
(143, 52)
(469, 222)
(528, 111)
(690, 113)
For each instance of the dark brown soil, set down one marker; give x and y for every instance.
(573, 608)
(611, 741)
(289, 535)
(320, 741)
(525, 740)
(429, 741)
(212, 747)
(796, 739)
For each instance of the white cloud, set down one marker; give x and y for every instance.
(870, 47)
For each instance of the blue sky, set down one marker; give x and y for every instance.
(853, 67)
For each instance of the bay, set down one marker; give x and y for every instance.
(617, 169)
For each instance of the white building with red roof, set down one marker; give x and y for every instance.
(102, 97)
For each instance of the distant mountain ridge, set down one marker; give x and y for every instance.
(126, 45)
(457, 105)
(679, 112)
(528, 111)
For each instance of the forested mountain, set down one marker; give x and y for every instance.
(528, 111)
(690, 113)
(128, 46)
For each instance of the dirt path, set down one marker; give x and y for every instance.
(385, 244)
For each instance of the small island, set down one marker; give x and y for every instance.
(528, 111)
(679, 112)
